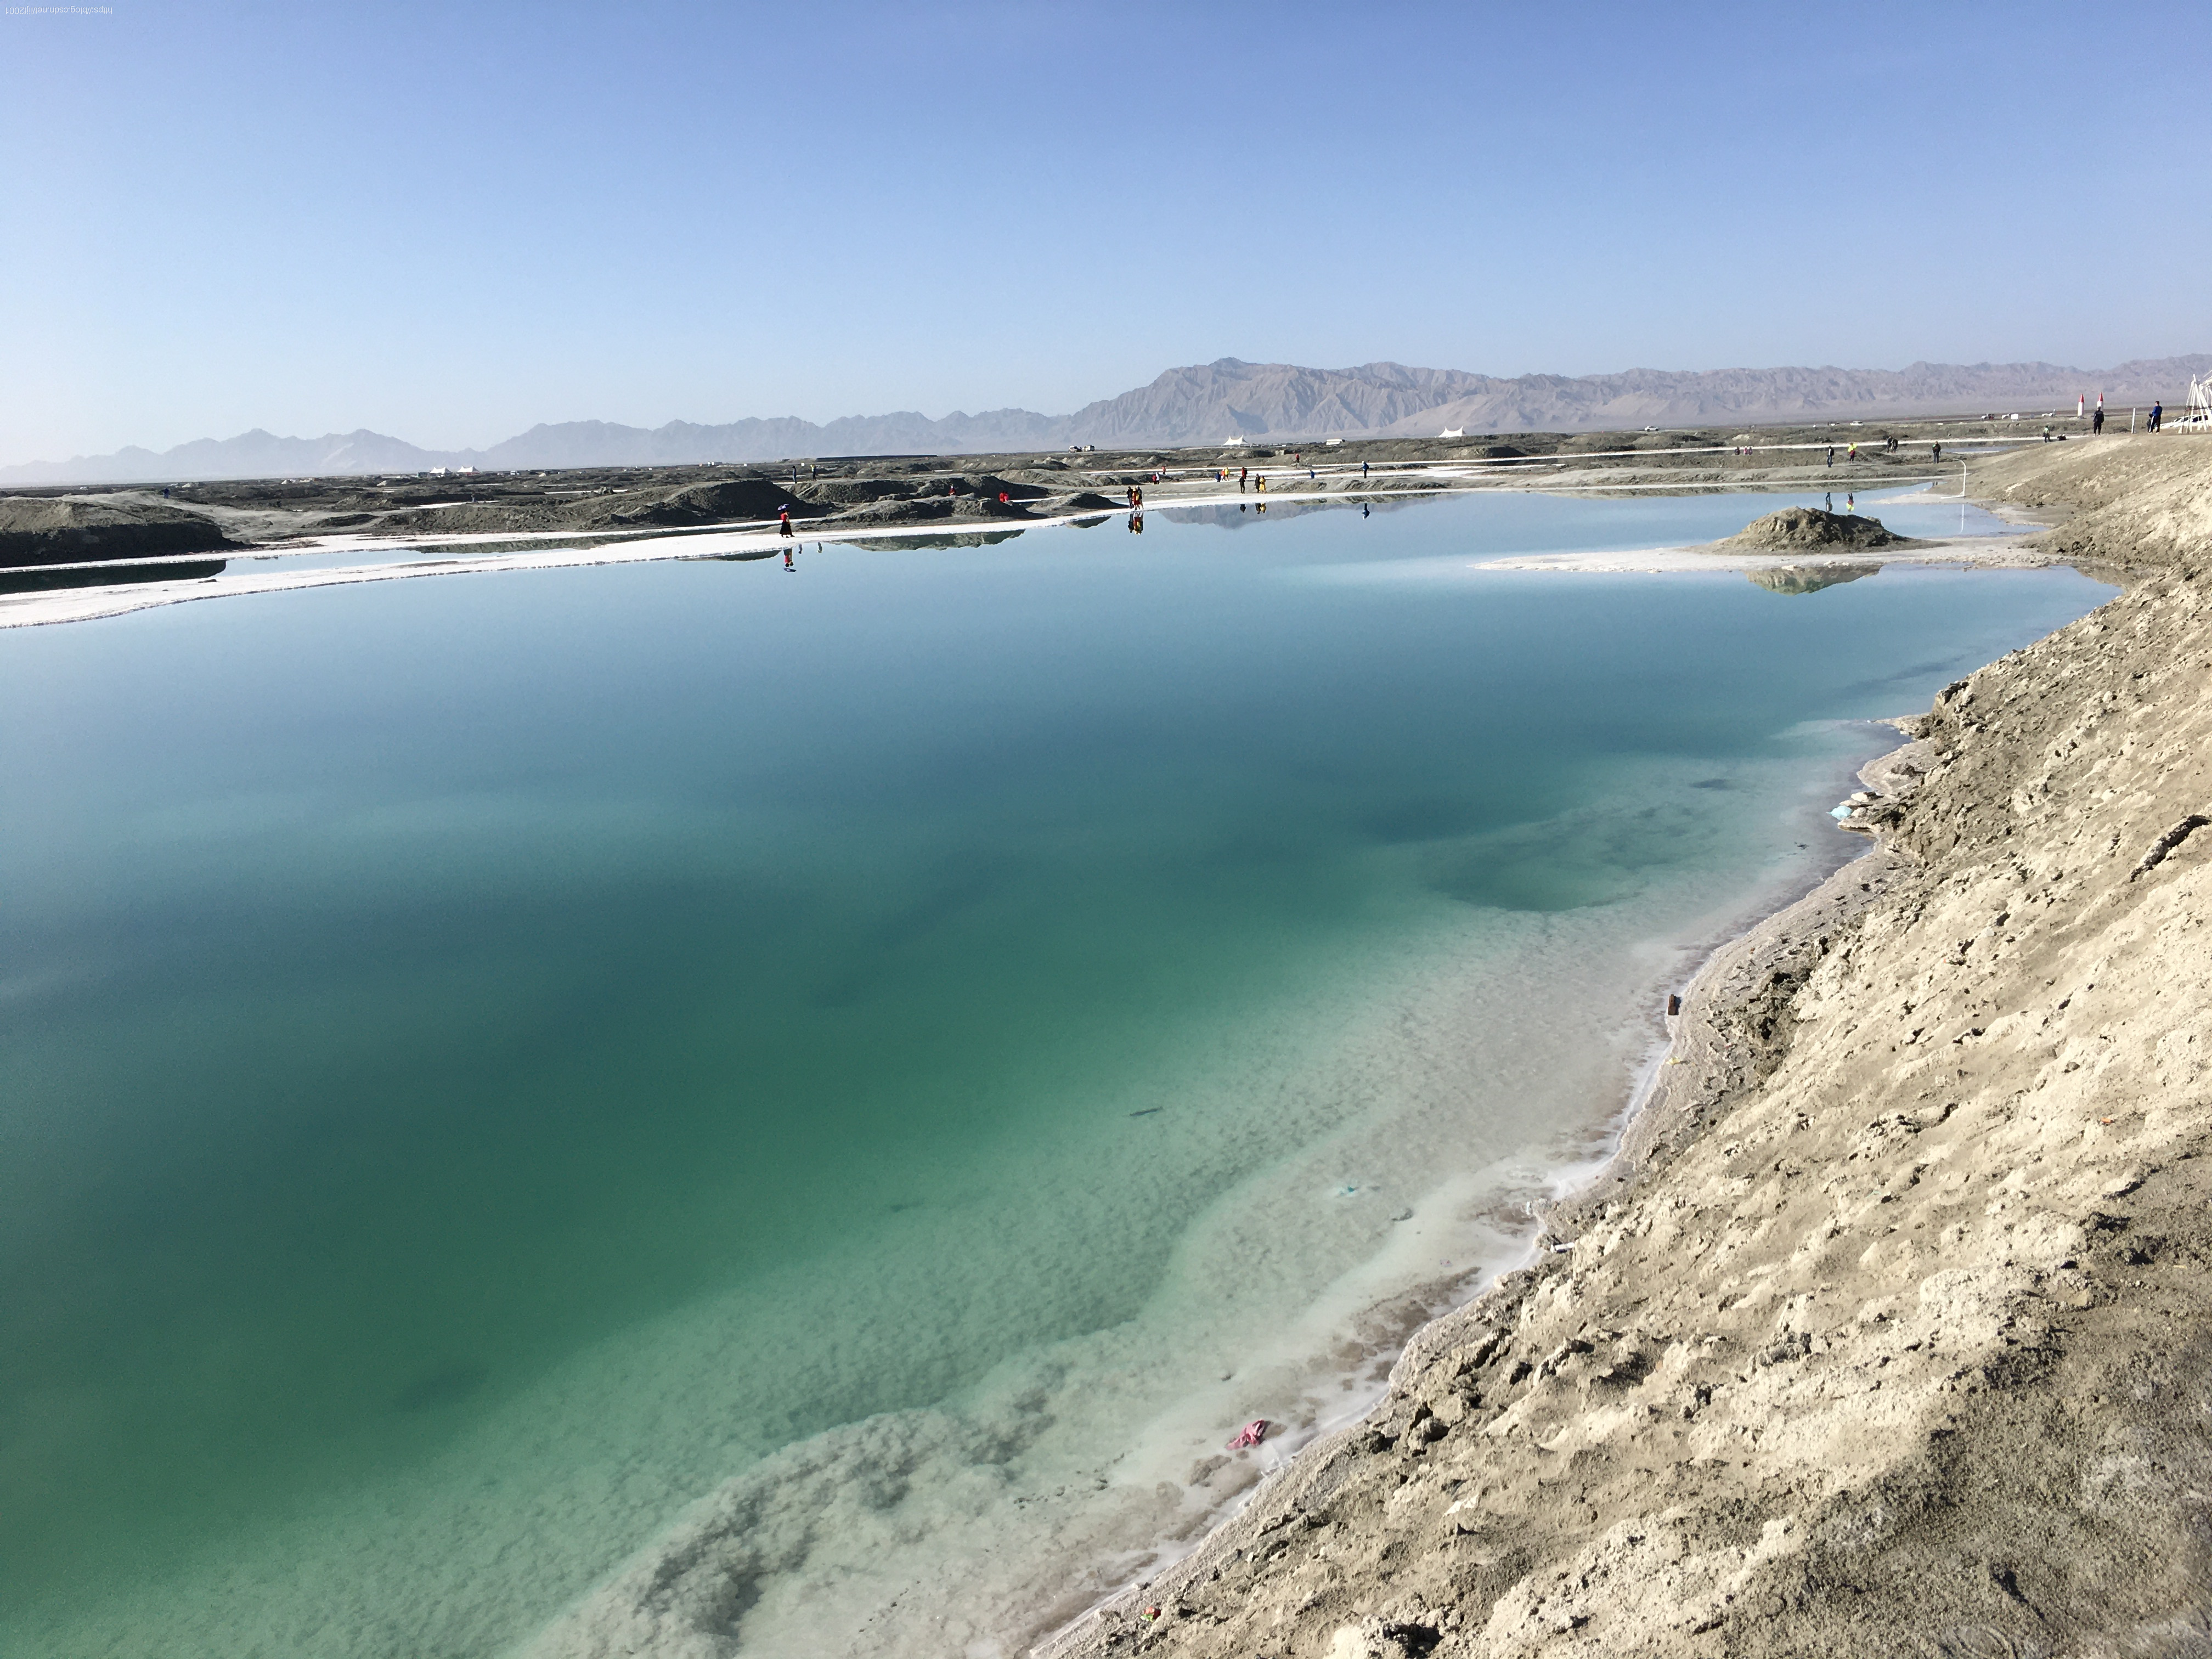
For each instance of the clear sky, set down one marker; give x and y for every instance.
(449, 222)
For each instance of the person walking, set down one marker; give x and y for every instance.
(783, 522)
(1363, 469)
(2097, 421)
(1939, 450)
(2157, 413)
(1831, 454)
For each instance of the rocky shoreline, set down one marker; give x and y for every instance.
(1888, 1330)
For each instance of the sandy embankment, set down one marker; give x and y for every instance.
(1889, 1333)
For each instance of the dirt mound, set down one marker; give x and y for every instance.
(65, 530)
(1810, 530)
(467, 518)
(732, 502)
(989, 484)
(837, 493)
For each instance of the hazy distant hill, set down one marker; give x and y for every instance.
(1657, 397)
(1205, 404)
(1212, 402)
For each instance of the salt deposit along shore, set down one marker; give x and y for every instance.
(73, 556)
(347, 560)
(1887, 1331)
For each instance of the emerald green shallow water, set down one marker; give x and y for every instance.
(489, 1062)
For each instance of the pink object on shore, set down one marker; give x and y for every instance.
(1250, 1435)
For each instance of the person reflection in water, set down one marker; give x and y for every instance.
(1136, 524)
(787, 564)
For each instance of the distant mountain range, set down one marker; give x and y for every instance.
(1204, 404)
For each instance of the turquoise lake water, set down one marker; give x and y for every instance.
(902, 1056)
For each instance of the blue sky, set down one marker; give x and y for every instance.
(450, 222)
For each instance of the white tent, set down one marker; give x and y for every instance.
(2199, 416)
